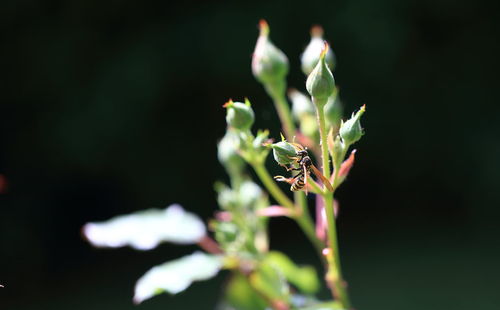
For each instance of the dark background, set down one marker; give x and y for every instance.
(108, 107)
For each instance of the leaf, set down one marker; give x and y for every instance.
(175, 276)
(240, 295)
(144, 230)
(269, 280)
(304, 278)
(332, 305)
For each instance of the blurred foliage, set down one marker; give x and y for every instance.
(95, 94)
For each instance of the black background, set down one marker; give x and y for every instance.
(108, 107)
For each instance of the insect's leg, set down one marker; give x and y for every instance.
(281, 178)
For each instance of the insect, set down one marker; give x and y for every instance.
(305, 166)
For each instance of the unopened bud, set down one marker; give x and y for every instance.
(269, 64)
(333, 110)
(283, 151)
(310, 57)
(261, 140)
(351, 130)
(301, 104)
(309, 127)
(227, 151)
(320, 83)
(239, 115)
(338, 152)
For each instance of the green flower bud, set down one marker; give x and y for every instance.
(239, 115)
(225, 233)
(309, 127)
(301, 104)
(226, 197)
(338, 152)
(351, 130)
(333, 110)
(261, 138)
(249, 193)
(282, 151)
(269, 64)
(320, 83)
(227, 151)
(310, 57)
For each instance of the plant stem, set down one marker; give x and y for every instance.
(320, 113)
(271, 186)
(304, 219)
(334, 274)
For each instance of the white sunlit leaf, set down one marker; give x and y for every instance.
(144, 230)
(175, 276)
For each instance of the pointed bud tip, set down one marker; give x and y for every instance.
(263, 27)
(324, 51)
(228, 103)
(317, 31)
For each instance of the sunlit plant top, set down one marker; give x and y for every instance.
(314, 154)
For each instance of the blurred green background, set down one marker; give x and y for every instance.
(107, 107)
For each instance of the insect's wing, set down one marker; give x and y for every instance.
(322, 178)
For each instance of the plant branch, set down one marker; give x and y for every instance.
(334, 274)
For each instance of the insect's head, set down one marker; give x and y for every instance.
(302, 153)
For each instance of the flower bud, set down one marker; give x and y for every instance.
(309, 127)
(320, 83)
(249, 194)
(338, 152)
(333, 110)
(261, 139)
(282, 151)
(239, 115)
(227, 151)
(301, 104)
(351, 130)
(310, 57)
(269, 64)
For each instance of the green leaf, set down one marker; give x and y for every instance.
(175, 276)
(304, 278)
(270, 281)
(144, 230)
(332, 305)
(240, 295)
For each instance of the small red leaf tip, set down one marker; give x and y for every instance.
(317, 31)
(228, 103)
(347, 164)
(263, 27)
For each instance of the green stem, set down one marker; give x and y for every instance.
(305, 222)
(334, 274)
(271, 186)
(304, 219)
(320, 113)
(277, 93)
